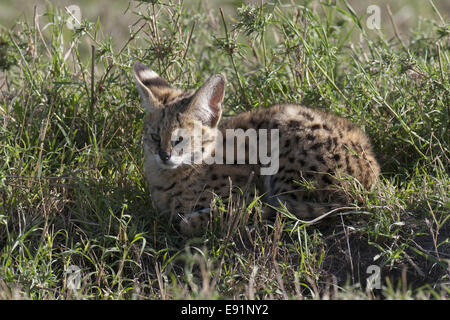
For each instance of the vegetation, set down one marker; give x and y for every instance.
(72, 192)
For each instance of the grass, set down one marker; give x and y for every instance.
(72, 192)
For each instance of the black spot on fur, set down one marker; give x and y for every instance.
(335, 141)
(304, 152)
(184, 179)
(294, 123)
(253, 122)
(177, 194)
(329, 143)
(347, 162)
(359, 166)
(320, 159)
(306, 115)
(285, 153)
(316, 146)
(287, 144)
(316, 127)
(165, 189)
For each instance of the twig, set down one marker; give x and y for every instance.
(437, 11)
(189, 39)
(280, 283)
(251, 283)
(391, 17)
(441, 68)
(110, 66)
(418, 270)
(92, 80)
(230, 53)
(160, 281)
(36, 25)
(349, 250)
(326, 215)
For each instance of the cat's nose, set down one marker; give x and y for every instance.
(165, 156)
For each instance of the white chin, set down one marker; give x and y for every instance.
(167, 165)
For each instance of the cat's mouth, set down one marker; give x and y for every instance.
(170, 164)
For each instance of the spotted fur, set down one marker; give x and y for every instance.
(316, 148)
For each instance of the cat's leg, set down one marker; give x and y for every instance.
(194, 222)
(303, 203)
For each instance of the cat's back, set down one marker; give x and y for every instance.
(313, 140)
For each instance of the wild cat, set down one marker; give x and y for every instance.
(312, 149)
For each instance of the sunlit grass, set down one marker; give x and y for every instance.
(72, 191)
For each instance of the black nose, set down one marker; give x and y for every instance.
(165, 156)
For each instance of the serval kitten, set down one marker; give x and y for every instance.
(314, 148)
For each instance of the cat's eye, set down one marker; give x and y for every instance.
(175, 142)
(156, 137)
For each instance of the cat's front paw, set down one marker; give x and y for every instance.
(195, 222)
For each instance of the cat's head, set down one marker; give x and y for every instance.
(180, 127)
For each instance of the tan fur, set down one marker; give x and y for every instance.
(316, 147)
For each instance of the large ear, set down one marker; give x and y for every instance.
(206, 103)
(153, 89)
